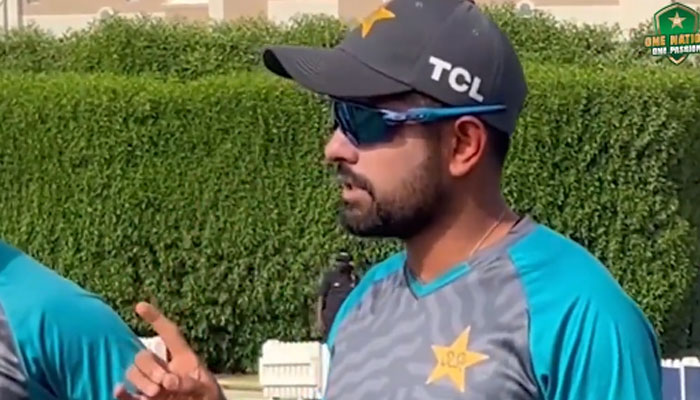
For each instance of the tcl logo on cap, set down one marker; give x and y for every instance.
(459, 79)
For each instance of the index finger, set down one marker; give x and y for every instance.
(165, 328)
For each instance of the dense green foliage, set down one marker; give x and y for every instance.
(152, 46)
(209, 195)
(184, 50)
(145, 160)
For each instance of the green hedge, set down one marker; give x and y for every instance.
(152, 46)
(209, 196)
(186, 50)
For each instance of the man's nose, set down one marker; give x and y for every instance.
(340, 149)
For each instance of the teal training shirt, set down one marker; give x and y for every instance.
(57, 340)
(535, 316)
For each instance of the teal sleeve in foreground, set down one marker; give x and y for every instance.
(588, 339)
(72, 345)
(89, 356)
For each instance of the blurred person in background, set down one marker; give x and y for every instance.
(336, 285)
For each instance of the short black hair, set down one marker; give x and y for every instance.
(498, 140)
(499, 143)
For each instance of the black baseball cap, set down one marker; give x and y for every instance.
(446, 49)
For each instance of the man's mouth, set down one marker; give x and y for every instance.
(346, 184)
(351, 193)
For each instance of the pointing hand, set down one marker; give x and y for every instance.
(183, 377)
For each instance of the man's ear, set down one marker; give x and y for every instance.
(467, 145)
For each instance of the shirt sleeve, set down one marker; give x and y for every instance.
(589, 340)
(86, 348)
(599, 354)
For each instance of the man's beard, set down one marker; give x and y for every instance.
(402, 214)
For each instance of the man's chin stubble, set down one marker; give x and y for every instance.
(358, 223)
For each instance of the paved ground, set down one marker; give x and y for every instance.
(242, 395)
(241, 387)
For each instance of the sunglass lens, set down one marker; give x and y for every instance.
(341, 120)
(364, 125)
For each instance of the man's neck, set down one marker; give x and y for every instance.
(453, 239)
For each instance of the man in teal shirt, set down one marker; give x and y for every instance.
(57, 340)
(483, 303)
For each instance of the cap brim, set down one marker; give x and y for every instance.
(332, 72)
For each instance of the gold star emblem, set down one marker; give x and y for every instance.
(453, 361)
(378, 15)
(677, 21)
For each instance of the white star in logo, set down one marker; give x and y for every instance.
(677, 21)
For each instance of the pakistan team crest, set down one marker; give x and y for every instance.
(677, 35)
